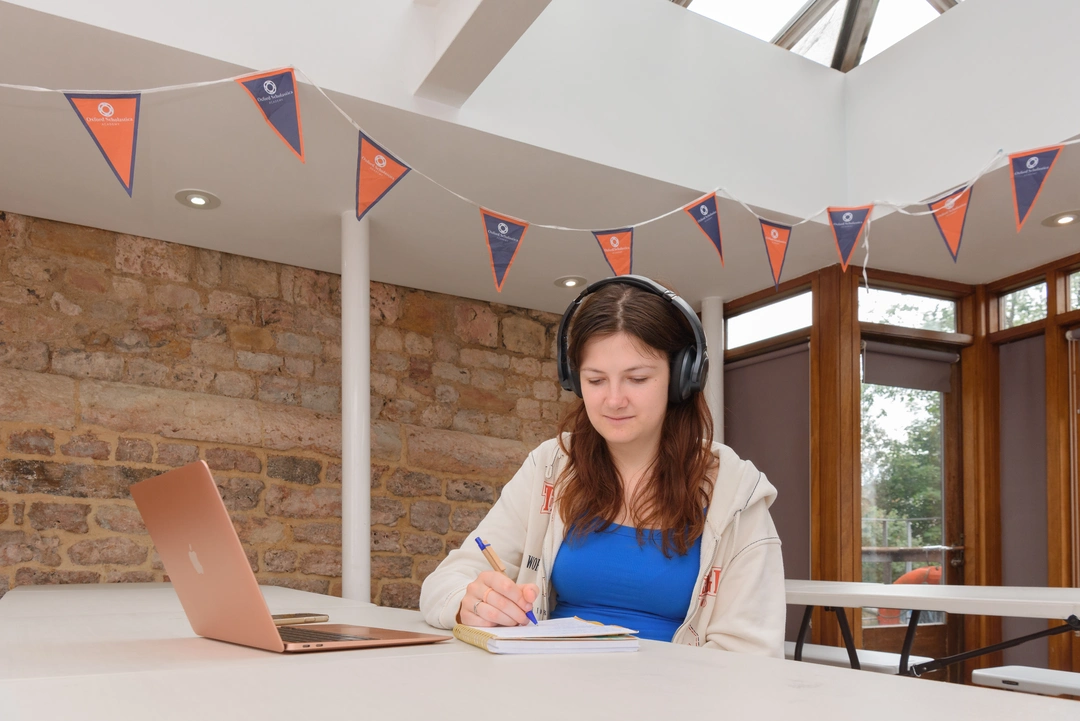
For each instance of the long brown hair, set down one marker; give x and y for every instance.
(676, 488)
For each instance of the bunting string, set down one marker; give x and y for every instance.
(904, 208)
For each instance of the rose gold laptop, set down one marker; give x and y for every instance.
(204, 559)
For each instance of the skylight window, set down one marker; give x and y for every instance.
(894, 21)
(819, 42)
(837, 33)
(763, 20)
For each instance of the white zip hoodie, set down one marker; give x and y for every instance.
(738, 601)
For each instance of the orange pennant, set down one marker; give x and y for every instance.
(950, 213)
(113, 122)
(618, 247)
(377, 171)
(776, 244)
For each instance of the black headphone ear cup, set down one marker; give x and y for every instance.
(679, 385)
(703, 374)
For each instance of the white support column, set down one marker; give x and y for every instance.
(355, 408)
(712, 320)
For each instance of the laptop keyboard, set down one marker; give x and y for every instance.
(292, 634)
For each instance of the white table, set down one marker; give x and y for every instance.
(113, 598)
(1015, 601)
(126, 666)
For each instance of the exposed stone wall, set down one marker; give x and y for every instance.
(121, 357)
(462, 391)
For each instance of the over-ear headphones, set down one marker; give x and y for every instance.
(688, 365)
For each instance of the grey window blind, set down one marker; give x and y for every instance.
(1024, 562)
(887, 364)
(767, 421)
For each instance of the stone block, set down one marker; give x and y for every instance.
(230, 459)
(318, 502)
(69, 517)
(242, 494)
(177, 454)
(38, 442)
(87, 445)
(431, 516)
(169, 413)
(134, 449)
(524, 336)
(153, 258)
(114, 550)
(121, 519)
(294, 469)
(257, 278)
(325, 534)
(476, 324)
(454, 452)
(413, 483)
(323, 562)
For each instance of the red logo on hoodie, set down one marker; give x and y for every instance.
(549, 495)
(708, 588)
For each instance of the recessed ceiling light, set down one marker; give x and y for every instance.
(1067, 217)
(570, 281)
(198, 199)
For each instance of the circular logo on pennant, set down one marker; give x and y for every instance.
(504, 228)
(1033, 162)
(380, 161)
(614, 242)
(950, 203)
(848, 217)
(774, 233)
(270, 87)
(105, 109)
(704, 210)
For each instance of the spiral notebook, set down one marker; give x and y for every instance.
(558, 635)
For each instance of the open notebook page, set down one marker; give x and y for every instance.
(556, 628)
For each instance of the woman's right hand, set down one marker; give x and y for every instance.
(494, 600)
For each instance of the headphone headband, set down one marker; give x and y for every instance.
(688, 366)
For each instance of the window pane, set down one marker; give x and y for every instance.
(772, 320)
(903, 479)
(761, 19)
(819, 43)
(1023, 306)
(1074, 291)
(907, 309)
(894, 21)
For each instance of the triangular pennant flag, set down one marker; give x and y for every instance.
(113, 122)
(275, 94)
(950, 214)
(377, 171)
(776, 244)
(504, 236)
(704, 213)
(1029, 172)
(618, 247)
(846, 224)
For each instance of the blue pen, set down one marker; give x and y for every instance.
(497, 564)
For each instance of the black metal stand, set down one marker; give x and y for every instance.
(845, 631)
(1072, 623)
(803, 628)
(909, 639)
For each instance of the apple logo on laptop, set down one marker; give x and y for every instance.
(194, 559)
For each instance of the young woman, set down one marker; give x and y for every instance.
(633, 515)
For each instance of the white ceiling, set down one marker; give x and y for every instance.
(274, 207)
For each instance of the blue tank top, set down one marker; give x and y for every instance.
(606, 576)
